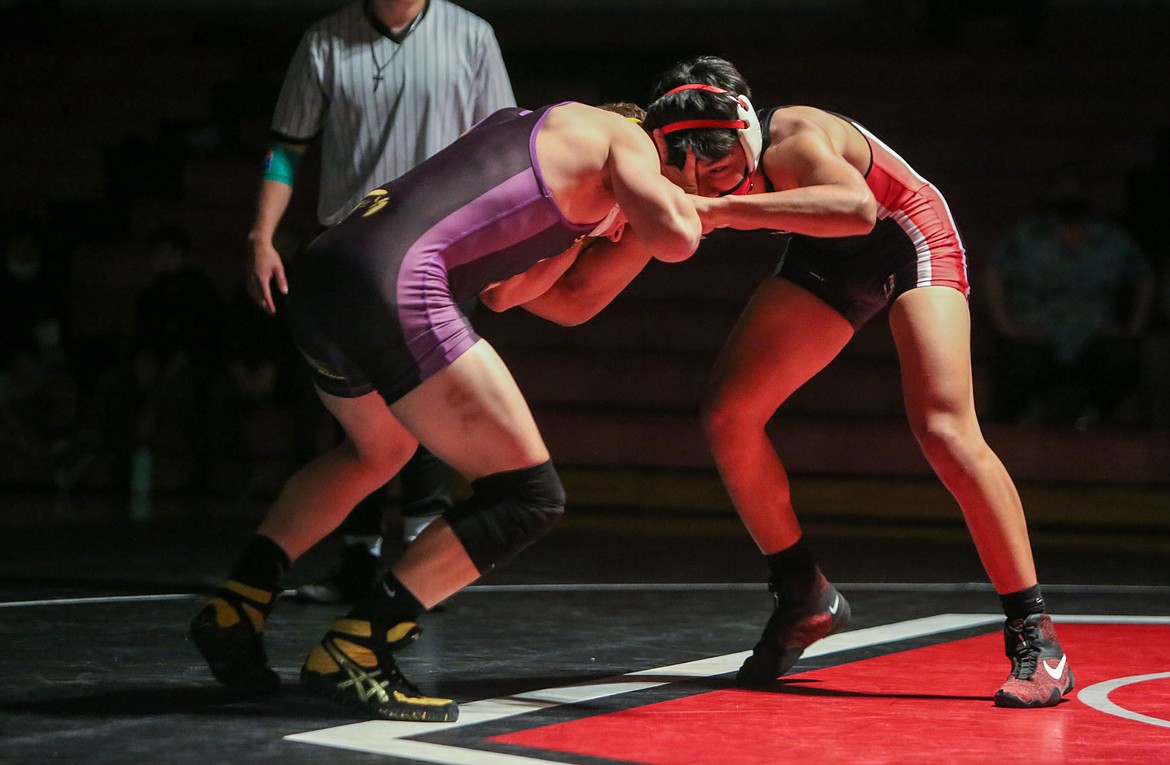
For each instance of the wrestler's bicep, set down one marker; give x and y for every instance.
(809, 159)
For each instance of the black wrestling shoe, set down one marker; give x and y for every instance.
(353, 664)
(789, 632)
(1040, 673)
(347, 581)
(229, 632)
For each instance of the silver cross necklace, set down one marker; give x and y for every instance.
(400, 39)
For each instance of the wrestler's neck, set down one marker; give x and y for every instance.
(397, 14)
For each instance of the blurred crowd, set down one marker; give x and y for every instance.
(1079, 303)
(193, 389)
(1073, 300)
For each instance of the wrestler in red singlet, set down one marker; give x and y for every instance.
(864, 232)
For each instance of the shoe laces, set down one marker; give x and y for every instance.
(391, 673)
(1025, 650)
(379, 680)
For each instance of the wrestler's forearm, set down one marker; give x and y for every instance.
(814, 211)
(530, 284)
(602, 271)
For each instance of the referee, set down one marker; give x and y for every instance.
(385, 84)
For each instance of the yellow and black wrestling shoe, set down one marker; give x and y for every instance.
(353, 664)
(229, 632)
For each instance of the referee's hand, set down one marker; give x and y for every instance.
(266, 267)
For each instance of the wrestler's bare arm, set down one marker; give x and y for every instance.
(659, 211)
(821, 194)
(532, 283)
(603, 269)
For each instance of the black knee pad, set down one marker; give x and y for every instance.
(506, 513)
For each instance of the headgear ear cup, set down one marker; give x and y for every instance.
(746, 124)
(750, 137)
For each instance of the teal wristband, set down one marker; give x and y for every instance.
(280, 164)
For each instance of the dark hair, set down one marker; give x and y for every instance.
(706, 143)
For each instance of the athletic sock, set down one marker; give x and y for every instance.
(792, 574)
(262, 564)
(388, 603)
(1019, 605)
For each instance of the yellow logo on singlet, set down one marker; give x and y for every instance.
(320, 368)
(373, 202)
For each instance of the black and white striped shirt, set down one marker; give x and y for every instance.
(382, 106)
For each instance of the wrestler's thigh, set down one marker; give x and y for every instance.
(932, 330)
(472, 416)
(784, 336)
(375, 432)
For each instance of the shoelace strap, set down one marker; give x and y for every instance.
(1025, 652)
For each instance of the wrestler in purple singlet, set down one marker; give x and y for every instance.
(373, 300)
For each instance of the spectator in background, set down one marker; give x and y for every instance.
(1147, 204)
(172, 374)
(32, 353)
(1070, 296)
(386, 84)
(1147, 216)
(38, 394)
(1158, 361)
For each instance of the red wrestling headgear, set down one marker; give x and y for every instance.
(746, 124)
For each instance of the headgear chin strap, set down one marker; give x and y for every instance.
(746, 124)
(743, 187)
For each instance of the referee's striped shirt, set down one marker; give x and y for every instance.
(382, 106)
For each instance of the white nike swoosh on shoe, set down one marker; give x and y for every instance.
(1055, 673)
(835, 604)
